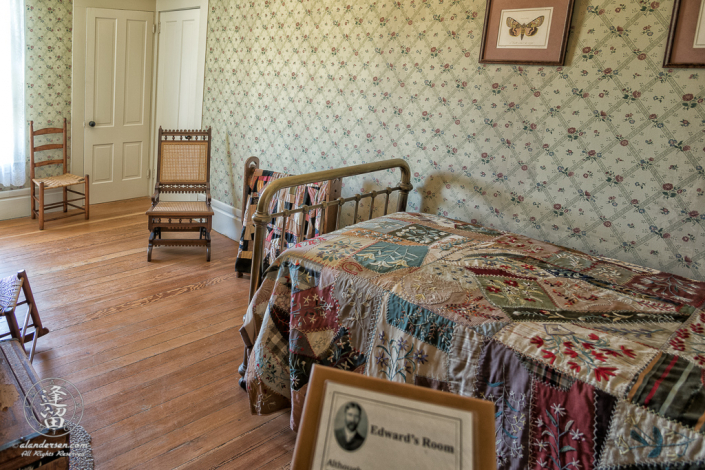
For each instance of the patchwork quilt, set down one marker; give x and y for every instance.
(591, 362)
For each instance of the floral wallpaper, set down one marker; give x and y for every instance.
(604, 155)
(48, 25)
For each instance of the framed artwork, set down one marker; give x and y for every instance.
(531, 32)
(354, 421)
(686, 38)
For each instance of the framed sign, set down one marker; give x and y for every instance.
(354, 421)
(526, 32)
(686, 37)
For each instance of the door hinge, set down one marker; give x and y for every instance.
(154, 28)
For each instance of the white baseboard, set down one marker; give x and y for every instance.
(15, 203)
(227, 220)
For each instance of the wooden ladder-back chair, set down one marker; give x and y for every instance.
(64, 180)
(10, 288)
(183, 166)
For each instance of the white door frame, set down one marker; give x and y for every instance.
(175, 5)
(78, 82)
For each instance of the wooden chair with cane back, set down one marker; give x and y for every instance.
(64, 180)
(10, 289)
(183, 166)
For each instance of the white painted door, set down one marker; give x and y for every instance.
(118, 97)
(178, 106)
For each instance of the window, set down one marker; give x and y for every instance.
(13, 159)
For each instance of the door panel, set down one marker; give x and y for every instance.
(118, 94)
(132, 160)
(178, 71)
(134, 73)
(104, 71)
(103, 163)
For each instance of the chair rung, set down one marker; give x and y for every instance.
(61, 203)
(49, 147)
(64, 215)
(75, 192)
(49, 130)
(48, 162)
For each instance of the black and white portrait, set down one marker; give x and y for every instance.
(350, 426)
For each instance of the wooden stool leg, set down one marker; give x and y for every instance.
(86, 207)
(32, 211)
(66, 198)
(41, 206)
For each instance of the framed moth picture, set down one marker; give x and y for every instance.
(531, 32)
(686, 37)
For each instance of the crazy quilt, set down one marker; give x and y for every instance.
(591, 363)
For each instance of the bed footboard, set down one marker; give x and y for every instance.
(262, 216)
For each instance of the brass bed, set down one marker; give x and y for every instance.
(591, 362)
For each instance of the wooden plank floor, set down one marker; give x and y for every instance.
(152, 347)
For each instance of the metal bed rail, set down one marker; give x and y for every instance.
(262, 217)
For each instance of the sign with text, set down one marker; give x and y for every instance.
(355, 422)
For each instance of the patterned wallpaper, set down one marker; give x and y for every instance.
(605, 155)
(48, 25)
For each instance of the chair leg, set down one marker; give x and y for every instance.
(40, 330)
(86, 206)
(9, 314)
(41, 206)
(208, 246)
(149, 249)
(32, 211)
(66, 198)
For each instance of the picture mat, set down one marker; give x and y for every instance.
(525, 16)
(680, 50)
(699, 41)
(407, 417)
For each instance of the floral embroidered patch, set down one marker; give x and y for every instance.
(608, 362)
(503, 380)
(689, 341)
(400, 357)
(562, 425)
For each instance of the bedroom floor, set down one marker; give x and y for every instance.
(152, 347)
